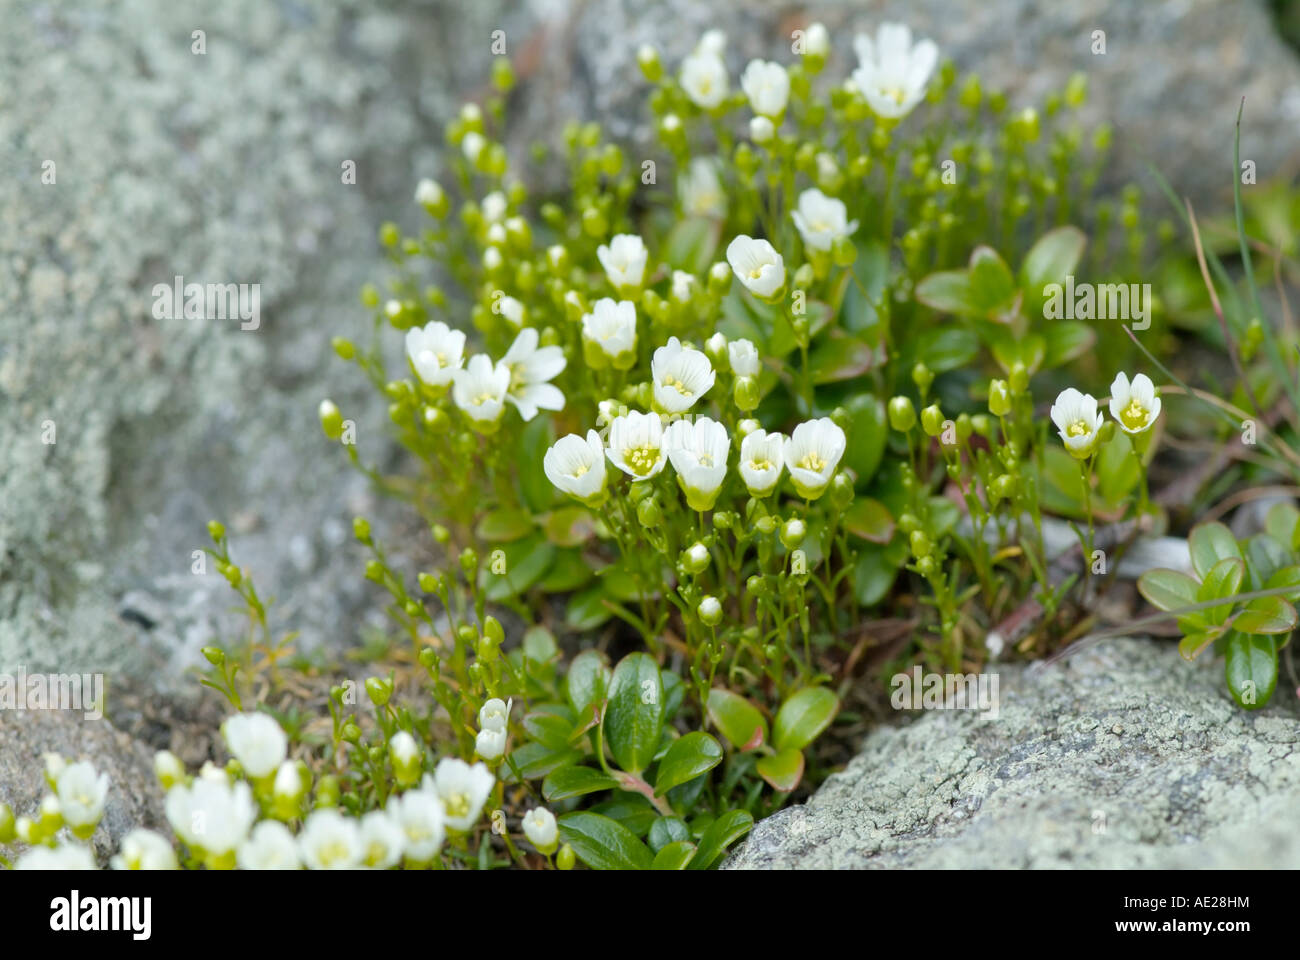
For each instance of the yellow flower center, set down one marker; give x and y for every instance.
(760, 464)
(811, 461)
(457, 804)
(642, 459)
(1134, 415)
(1079, 428)
(581, 469)
(756, 273)
(332, 852)
(679, 386)
(483, 398)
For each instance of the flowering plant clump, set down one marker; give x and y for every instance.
(696, 444)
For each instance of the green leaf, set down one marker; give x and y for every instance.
(782, 770)
(992, 286)
(1222, 582)
(568, 572)
(1264, 558)
(803, 716)
(1117, 469)
(551, 724)
(948, 291)
(690, 244)
(722, 833)
(538, 491)
(632, 810)
(604, 844)
(869, 519)
(588, 680)
(570, 526)
(1209, 543)
(575, 781)
(1065, 340)
(503, 526)
(1195, 642)
(1286, 577)
(666, 830)
(1168, 589)
(1009, 350)
(539, 645)
(526, 561)
(742, 723)
(873, 575)
(675, 856)
(948, 348)
(587, 610)
(866, 436)
(635, 714)
(537, 760)
(1282, 523)
(690, 756)
(1052, 258)
(1266, 615)
(1251, 669)
(839, 356)
(868, 275)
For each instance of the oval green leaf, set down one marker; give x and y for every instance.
(719, 835)
(802, 717)
(740, 721)
(604, 844)
(782, 770)
(1251, 669)
(635, 713)
(689, 757)
(575, 781)
(1209, 543)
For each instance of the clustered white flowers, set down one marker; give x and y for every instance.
(1133, 405)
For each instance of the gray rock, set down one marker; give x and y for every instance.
(1122, 756)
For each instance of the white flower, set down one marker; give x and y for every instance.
(512, 310)
(1077, 420)
(816, 40)
(1135, 405)
(700, 189)
(419, 815)
(168, 768)
(761, 129)
(81, 794)
(494, 207)
(436, 352)
(257, 742)
(577, 466)
(70, 856)
(610, 329)
(428, 193)
(271, 847)
(480, 389)
(760, 268)
(712, 42)
(289, 784)
(540, 829)
(821, 220)
(490, 744)
(492, 259)
(683, 286)
(704, 79)
(472, 146)
(811, 455)
(680, 376)
(494, 714)
(744, 358)
(531, 369)
(761, 459)
(403, 748)
(144, 850)
(636, 444)
(211, 815)
(330, 841)
(767, 86)
(698, 451)
(463, 789)
(892, 73)
(710, 610)
(382, 840)
(623, 260)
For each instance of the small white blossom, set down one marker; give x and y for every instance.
(1135, 405)
(680, 376)
(512, 310)
(744, 358)
(767, 86)
(636, 444)
(1077, 421)
(472, 146)
(494, 207)
(490, 744)
(698, 450)
(82, 793)
(382, 840)
(712, 42)
(480, 390)
(704, 79)
(428, 193)
(463, 789)
(270, 847)
(541, 829)
(817, 40)
(761, 129)
(576, 466)
(257, 742)
(610, 329)
(700, 189)
(758, 266)
(70, 856)
(623, 260)
(436, 352)
(531, 369)
(683, 286)
(211, 815)
(144, 850)
(892, 73)
(419, 814)
(494, 714)
(821, 220)
(761, 460)
(811, 455)
(330, 841)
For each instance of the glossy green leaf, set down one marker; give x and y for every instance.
(538, 491)
(1168, 589)
(689, 756)
(587, 609)
(803, 716)
(675, 856)
(1267, 615)
(1286, 577)
(1118, 472)
(742, 723)
(719, 835)
(947, 348)
(1282, 523)
(536, 760)
(992, 286)
(635, 713)
(1065, 340)
(602, 843)
(1052, 258)
(588, 680)
(1223, 581)
(632, 810)
(569, 571)
(866, 435)
(504, 526)
(526, 561)
(873, 575)
(948, 291)
(570, 526)
(839, 356)
(1209, 543)
(869, 519)
(551, 724)
(1251, 669)
(1264, 558)
(666, 830)
(1192, 644)
(782, 770)
(575, 781)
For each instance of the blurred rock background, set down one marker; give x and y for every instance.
(226, 167)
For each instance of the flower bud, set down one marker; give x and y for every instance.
(379, 690)
(432, 197)
(695, 558)
(168, 769)
(407, 758)
(214, 655)
(756, 586)
(1019, 379)
(541, 830)
(649, 513)
(7, 829)
(647, 58)
(327, 791)
(719, 277)
(920, 543)
(469, 561)
(710, 611)
(841, 490)
(490, 744)
(999, 398)
(902, 415)
(745, 394)
(932, 420)
(564, 860)
(922, 377)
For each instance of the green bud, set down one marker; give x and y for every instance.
(648, 512)
(216, 530)
(503, 77)
(350, 732)
(379, 689)
(926, 566)
(7, 831)
(1018, 379)
(902, 415)
(765, 525)
(440, 533)
(369, 296)
(841, 490)
(907, 522)
(792, 533)
(1004, 486)
(999, 398)
(932, 420)
(710, 611)
(756, 586)
(745, 394)
(564, 860)
(647, 58)
(374, 571)
(343, 348)
(804, 277)
(327, 791)
(390, 235)
(695, 558)
(970, 94)
(922, 377)
(361, 529)
(214, 655)
(982, 424)
(493, 631)
(1076, 90)
(469, 561)
(725, 519)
